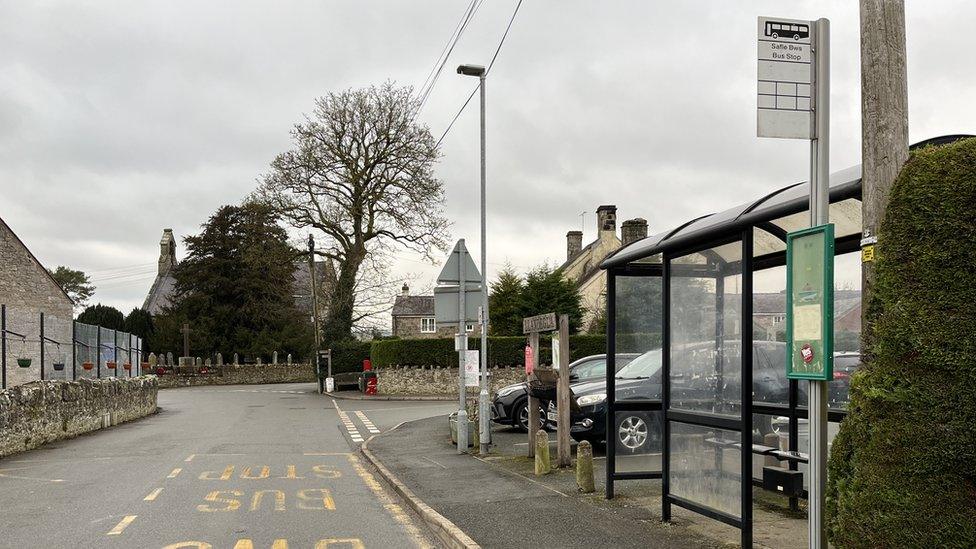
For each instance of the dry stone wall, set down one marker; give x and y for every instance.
(46, 411)
(437, 381)
(242, 374)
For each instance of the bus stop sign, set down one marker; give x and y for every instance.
(810, 303)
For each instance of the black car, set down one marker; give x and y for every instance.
(694, 386)
(510, 405)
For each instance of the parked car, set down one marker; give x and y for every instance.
(695, 385)
(511, 403)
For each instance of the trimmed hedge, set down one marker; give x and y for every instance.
(348, 356)
(503, 351)
(902, 470)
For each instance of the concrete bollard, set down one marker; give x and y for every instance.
(584, 467)
(542, 464)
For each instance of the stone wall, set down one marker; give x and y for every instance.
(242, 374)
(437, 381)
(46, 411)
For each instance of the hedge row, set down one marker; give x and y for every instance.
(902, 469)
(502, 351)
(348, 356)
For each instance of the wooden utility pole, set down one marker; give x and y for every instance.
(562, 396)
(884, 129)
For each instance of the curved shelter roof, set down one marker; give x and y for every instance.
(779, 212)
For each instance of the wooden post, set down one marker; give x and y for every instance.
(533, 403)
(884, 129)
(562, 395)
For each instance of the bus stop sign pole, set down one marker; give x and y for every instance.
(819, 205)
(793, 102)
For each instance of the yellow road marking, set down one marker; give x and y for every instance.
(351, 543)
(343, 454)
(152, 495)
(175, 473)
(392, 507)
(121, 525)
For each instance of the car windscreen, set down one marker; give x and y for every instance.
(642, 367)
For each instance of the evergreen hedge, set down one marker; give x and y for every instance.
(902, 470)
(348, 356)
(503, 351)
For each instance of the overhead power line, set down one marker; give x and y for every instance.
(445, 54)
(487, 71)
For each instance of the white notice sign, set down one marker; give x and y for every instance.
(471, 369)
(785, 90)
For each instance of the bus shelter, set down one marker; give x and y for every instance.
(709, 403)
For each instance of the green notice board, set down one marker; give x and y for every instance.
(810, 303)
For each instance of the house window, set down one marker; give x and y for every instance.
(428, 325)
(469, 327)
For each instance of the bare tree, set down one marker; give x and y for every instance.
(361, 175)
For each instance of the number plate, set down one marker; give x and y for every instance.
(553, 416)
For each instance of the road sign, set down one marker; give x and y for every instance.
(449, 274)
(810, 303)
(447, 292)
(539, 323)
(785, 99)
(471, 363)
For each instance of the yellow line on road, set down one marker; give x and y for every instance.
(152, 495)
(121, 525)
(174, 473)
(327, 454)
(391, 506)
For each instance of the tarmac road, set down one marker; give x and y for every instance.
(235, 466)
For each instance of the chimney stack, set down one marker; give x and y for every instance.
(405, 291)
(633, 230)
(606, 222)
(574, 244)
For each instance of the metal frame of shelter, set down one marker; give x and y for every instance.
(753, 235)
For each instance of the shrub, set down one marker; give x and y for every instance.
(902, 470)
(503, 351)
(348, 356)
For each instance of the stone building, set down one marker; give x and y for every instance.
(582, 265)
(161, 293)
(413, 317)
(27, 290)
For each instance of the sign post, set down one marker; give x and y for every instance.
(533, 326)
(794, 103)
(457, 279)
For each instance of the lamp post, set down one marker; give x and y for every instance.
(483, 420)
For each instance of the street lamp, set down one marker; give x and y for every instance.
(484, 428)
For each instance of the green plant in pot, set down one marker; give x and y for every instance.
(58, 360)
(23, 360)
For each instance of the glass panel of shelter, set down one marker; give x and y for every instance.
(705, 367)
(636, 433)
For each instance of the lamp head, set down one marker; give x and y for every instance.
(471, 70)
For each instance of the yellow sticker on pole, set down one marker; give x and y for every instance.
(867, 253)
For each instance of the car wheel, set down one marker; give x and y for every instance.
(634, 434)
(521, 416)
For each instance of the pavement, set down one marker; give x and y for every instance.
(229, 466)
(498, 503)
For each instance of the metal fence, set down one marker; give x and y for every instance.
(35, 346)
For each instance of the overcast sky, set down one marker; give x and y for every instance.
(118, 119)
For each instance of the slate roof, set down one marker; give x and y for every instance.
(160, 294)
(413, 305)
